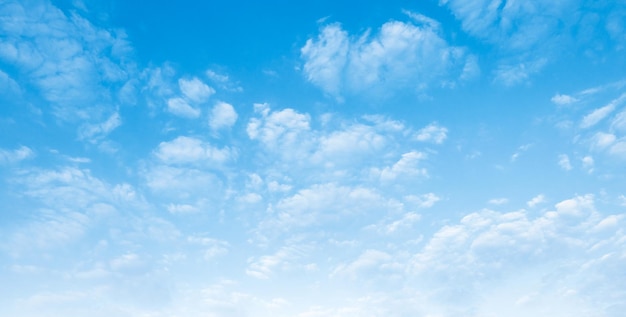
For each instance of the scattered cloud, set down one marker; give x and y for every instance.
(14, 156)
(180, 107)
(183, 150)
(96, 132)
(195, 90)
(563, 100)
(432, 133)
(564, 162)
(407, 166)
(223, 115)
(74, 64)
(588, 164)
(399, 55)
(539, 199)
(498, 201)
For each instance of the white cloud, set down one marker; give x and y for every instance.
(619, 122)
(278, 130)
(598, 114)
(195, 90)
(326, 58)
(223, 81)
(349, 145)
(520, 150)
(564, 162)
(96, 132)
(403, 223)
(324, 204)
(619, 148)
(423, 201)
(588, 163)
(407, 166)
(563, 100)
(368, 260)
(264, 266)
(511, 75)
(13, 156)
(183, 150)
(181, 108)
(432, 133)
(223, 115)
(400, 55)
(539, 199)
(212, 247)
(498, 201)
(74, 65)
(602, 140)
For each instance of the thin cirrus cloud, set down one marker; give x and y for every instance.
(530, 35)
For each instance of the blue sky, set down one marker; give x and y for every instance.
(405, 158)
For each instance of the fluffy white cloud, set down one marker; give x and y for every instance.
(407, 166)
(223, 115)
(423, 201)
(181, 108)
(602, 140)
(432, 133)
(183, 150)
(564, 162)
(400, 55)
(539, 199)
(563, 100)
(326, 58)
(195, 90)
(285, 130)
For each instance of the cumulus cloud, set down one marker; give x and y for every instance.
(539, 199)
(282, 129)
(407, 166)
(423, 201)
(563, 100)
(223, 115)
(180, 107)
(399, 55)
(185, 149)
(195, 90)
(432, 133)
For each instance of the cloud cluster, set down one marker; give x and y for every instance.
(75, 66)
(400, 55)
